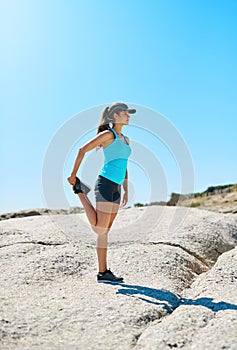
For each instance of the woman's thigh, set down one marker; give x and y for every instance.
(105, 211)
(113, 214)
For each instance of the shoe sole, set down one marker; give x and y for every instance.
(110, 282)
(81, 187)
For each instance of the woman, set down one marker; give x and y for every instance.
(108, 185)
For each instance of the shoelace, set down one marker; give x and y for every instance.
(110, 272)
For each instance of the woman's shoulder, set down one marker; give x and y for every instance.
(109, 133)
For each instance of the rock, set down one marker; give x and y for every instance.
(219, 283)
(179, 270)
(41, 211)
(208, 306)
(204, 234)
(176, 330)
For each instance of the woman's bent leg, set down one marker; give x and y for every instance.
(89, 209)
(104, 212)
(100, 217)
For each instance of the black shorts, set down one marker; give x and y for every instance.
(107, 190)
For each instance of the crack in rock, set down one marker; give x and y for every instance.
(150, 316)
(208, 264)
(34, 242)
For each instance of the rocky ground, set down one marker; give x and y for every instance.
(179, 266)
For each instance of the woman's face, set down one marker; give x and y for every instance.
(122, 117)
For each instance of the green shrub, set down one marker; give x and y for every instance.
(136, 205)
(194, 205)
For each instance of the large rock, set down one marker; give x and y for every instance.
(208, 308)
(50, 298)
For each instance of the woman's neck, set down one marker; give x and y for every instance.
(118, 129)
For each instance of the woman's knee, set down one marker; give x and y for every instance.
(100, 230)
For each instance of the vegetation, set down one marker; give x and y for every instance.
(219, 188)
(194, 205)
(198, 197)
(138, 205)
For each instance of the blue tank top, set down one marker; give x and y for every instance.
(115, 160)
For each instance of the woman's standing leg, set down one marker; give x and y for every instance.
(101, 249)
(107, 213)
(101, 220)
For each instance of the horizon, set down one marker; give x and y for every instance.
(127, 207)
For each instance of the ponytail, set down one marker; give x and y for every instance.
(105, 120)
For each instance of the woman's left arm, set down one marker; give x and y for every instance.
(125, 187)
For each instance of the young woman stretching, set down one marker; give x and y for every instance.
(108, 185)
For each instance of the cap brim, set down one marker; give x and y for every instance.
(131, 111)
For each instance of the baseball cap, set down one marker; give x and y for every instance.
(119, 107)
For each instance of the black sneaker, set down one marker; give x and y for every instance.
(80, 187)
(108, 276)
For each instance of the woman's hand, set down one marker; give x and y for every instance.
(125, 199)
(72, 179)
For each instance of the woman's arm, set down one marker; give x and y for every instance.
(125, 183)
(125, 187)
(93, 143)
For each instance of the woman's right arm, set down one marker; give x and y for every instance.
(93, 143)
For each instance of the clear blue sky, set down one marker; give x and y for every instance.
(177, 57)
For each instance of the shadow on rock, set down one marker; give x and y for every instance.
(169, 300)
(164, 298)
(208, 302)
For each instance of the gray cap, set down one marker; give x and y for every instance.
(119, 107)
